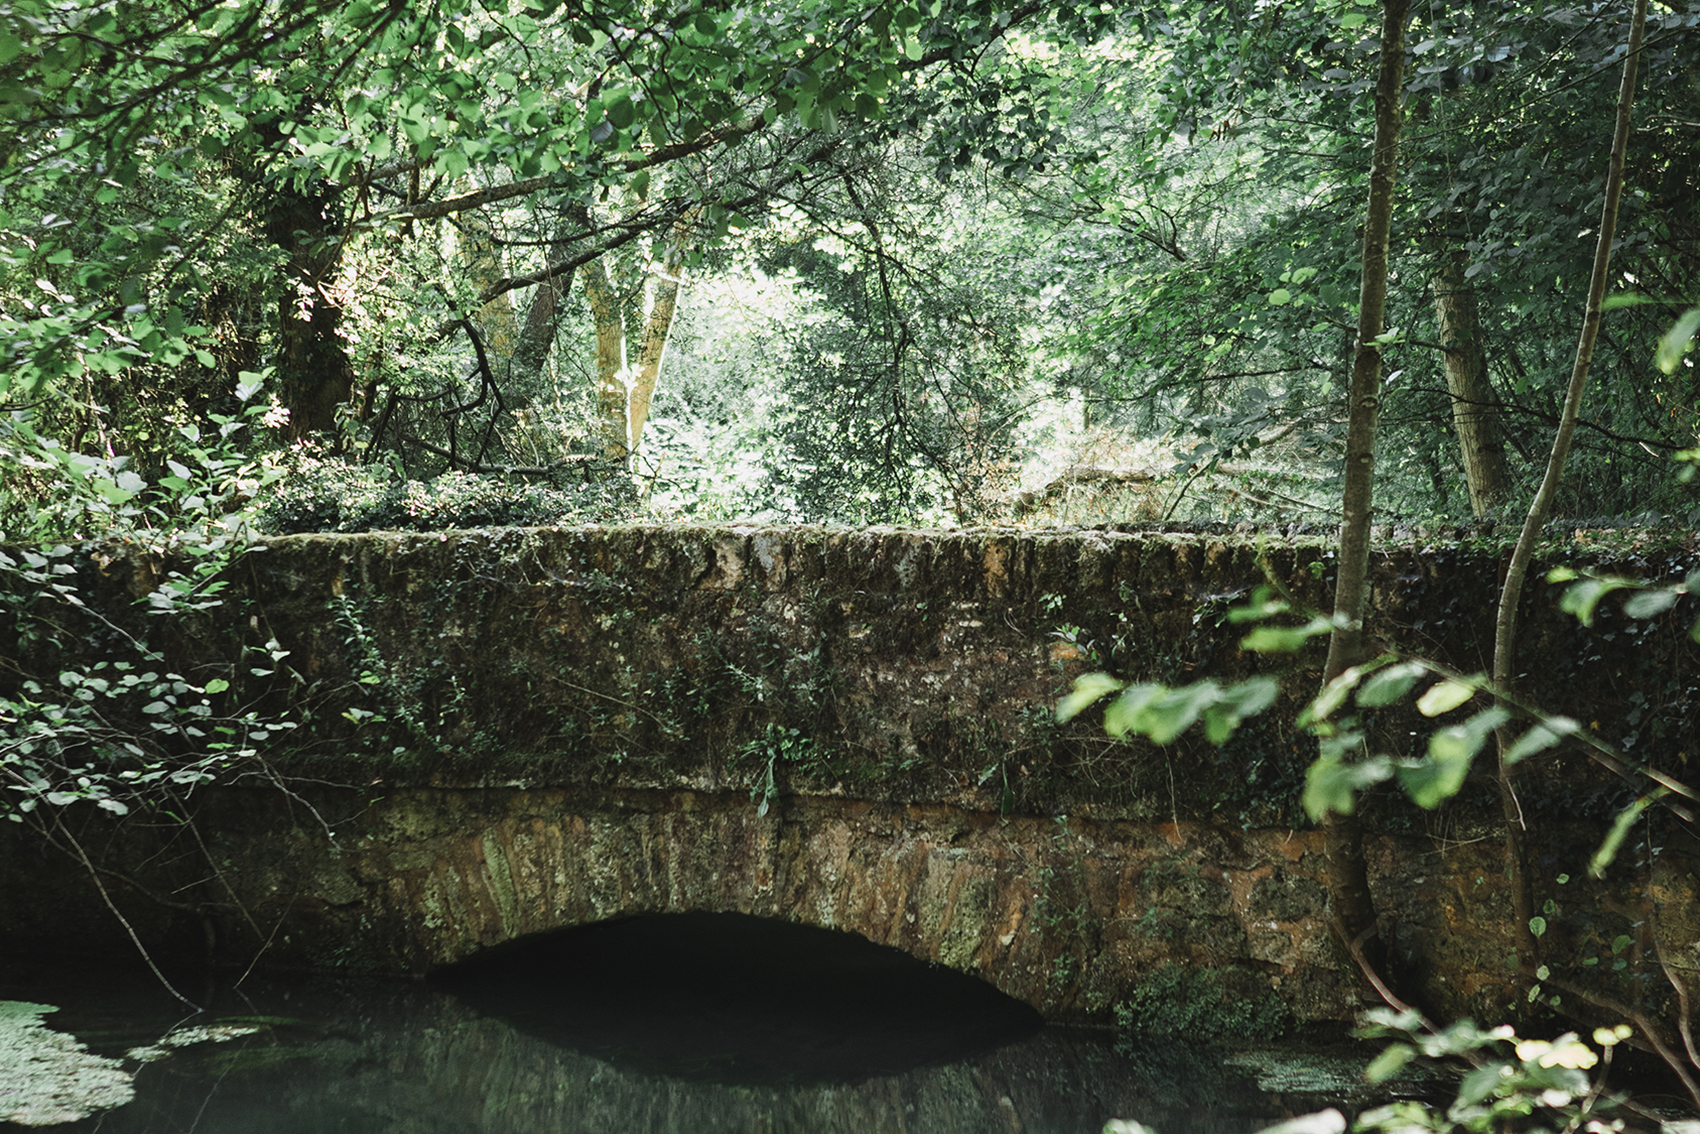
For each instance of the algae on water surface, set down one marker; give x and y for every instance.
(47, 1077)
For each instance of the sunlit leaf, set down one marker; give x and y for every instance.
(1650, 603)
(1540, 737)
(1444, 696)
(1387, 1064)
(1613, 841)
(1088, 688)
(1674, 344)
(1581, 597)
(1389, 685)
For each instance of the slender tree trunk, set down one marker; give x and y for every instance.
(1505, 625)
(1348, 877)
(611, 392)
(1475, 411)
(654, 346)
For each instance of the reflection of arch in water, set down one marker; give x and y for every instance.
(734, 998)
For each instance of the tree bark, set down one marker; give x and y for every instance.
(537, 335)
(1348, 877)
(484, 265)
(1511, 593)
(611, 392)
(1475, 411)
(316, 374)
(654, 347)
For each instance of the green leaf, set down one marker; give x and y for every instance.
(1650, 603)
(1088, 688)
(1124, 711)
(1333, 695)
(1265, 603)
(1433, 780)
(1581, 598)
(1285, 639)
(1675, 342)
(1280, 297)
(1353, 20)
(1444, 696)
(1164, 718)
(1625, 299)
(1390, 684)
(1481, 1083)
(217, 685)
(1613, 841)
(1538, 925)
(1387, 1064)
(1539, 738)
(1331, 784)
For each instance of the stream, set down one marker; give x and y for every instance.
(693, 1024)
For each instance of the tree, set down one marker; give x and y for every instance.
(1348, 876)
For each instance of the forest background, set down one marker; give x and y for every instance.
(946, 263)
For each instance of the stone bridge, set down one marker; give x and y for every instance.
(507, 732)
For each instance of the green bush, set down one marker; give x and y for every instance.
(329, 496)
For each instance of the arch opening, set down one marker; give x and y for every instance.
(732, 998)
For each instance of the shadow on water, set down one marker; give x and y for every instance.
(737, 999)
(619, 1033)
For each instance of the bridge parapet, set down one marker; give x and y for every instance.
(852, 729)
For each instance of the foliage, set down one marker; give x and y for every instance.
(326, 495)
(125, 733)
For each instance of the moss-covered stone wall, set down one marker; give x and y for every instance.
(506, 731)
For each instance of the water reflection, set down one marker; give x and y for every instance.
(741, 1000)
(400, 1058)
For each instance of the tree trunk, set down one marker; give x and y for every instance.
(611, 391)
(1348, 878)
(654, 346)
(537, 336)
(1511, 593)
(1475, 412)
(316, 374)
(483, 262)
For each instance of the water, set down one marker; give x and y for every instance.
(694, 1024)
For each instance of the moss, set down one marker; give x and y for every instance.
(1203, 1002)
